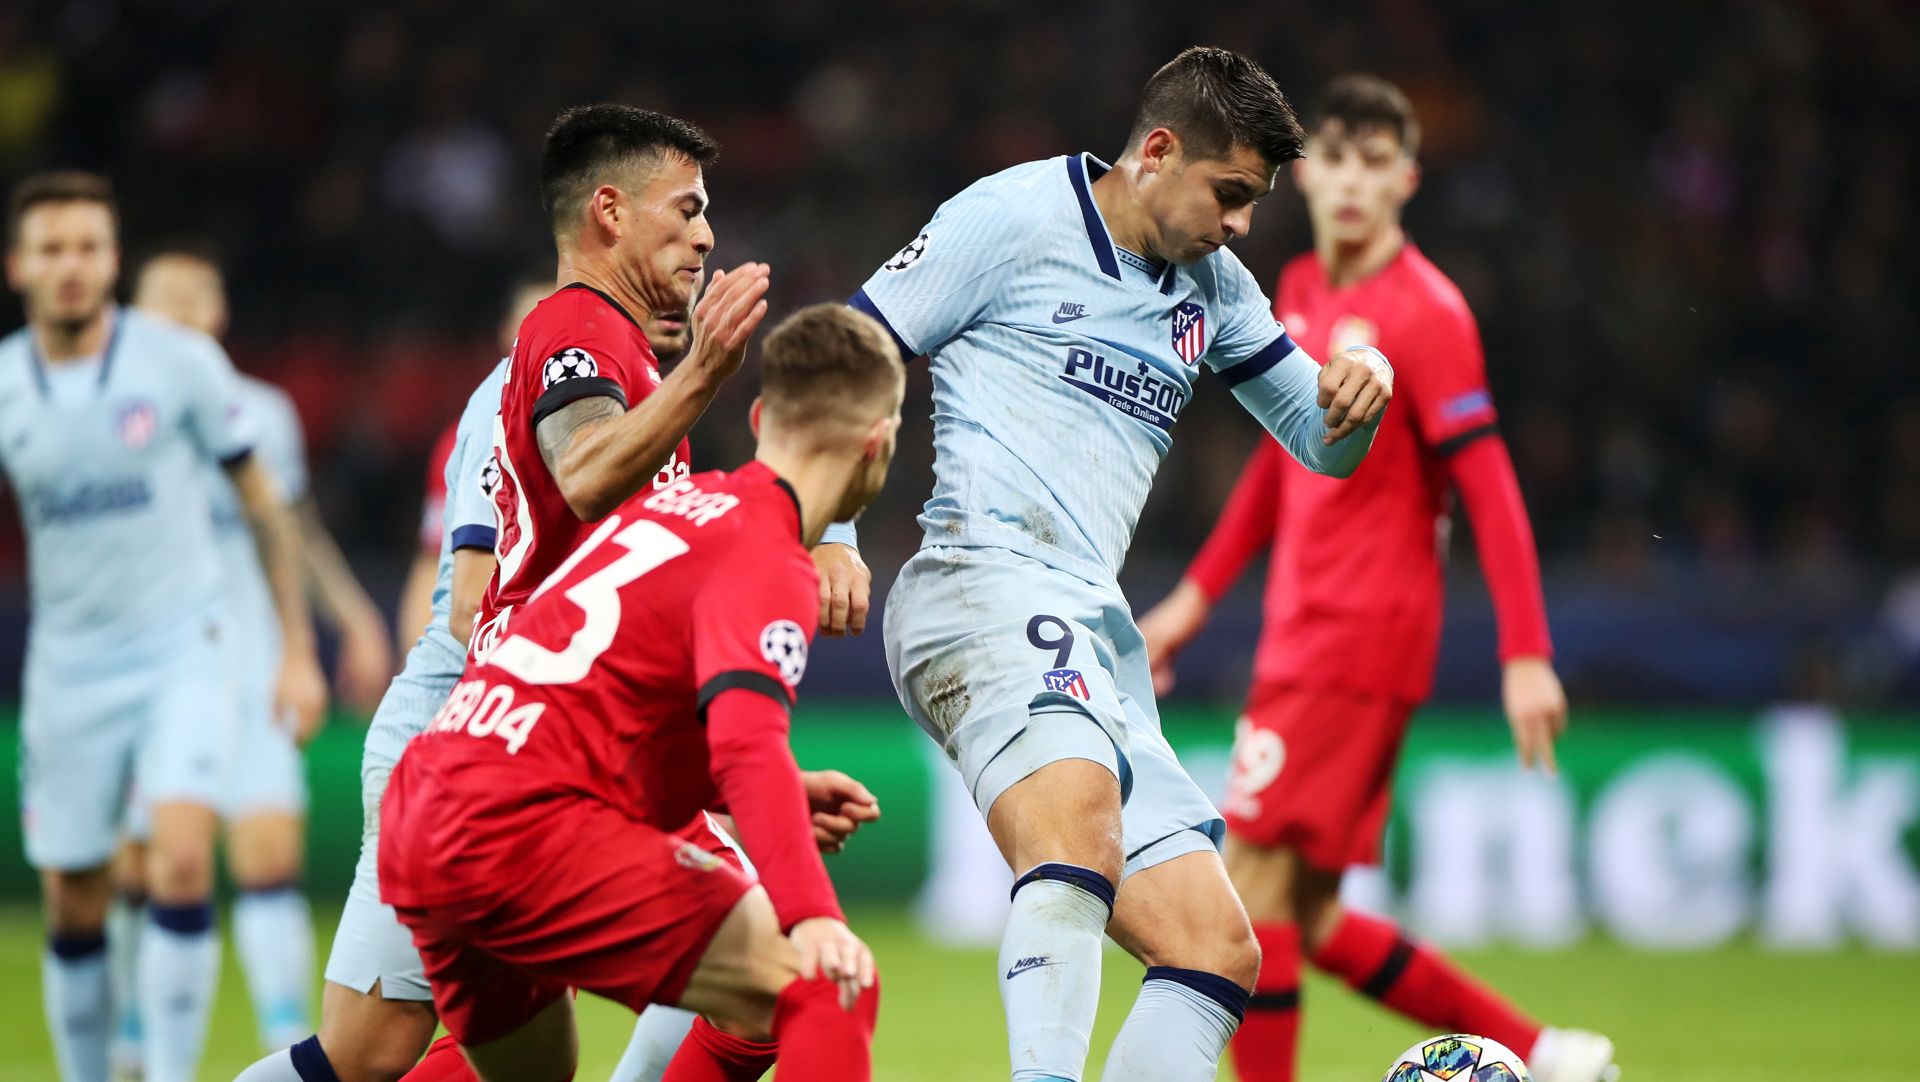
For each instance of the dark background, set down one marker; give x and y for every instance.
(1687, 230)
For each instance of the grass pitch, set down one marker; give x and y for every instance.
(1734, 1015)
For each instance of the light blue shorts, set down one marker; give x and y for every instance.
(1011, 665)
(268, 773)
(371, 944)
(95, 739)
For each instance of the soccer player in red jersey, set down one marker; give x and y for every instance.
(1353, 606)
(528, 836)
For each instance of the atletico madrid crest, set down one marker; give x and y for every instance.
(137, 424)
(1069, 681)
(1190, 332)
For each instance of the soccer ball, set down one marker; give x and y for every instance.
(1459, 1057)
(569, 363)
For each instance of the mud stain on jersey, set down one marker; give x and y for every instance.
(945, 695)
(1038, 523)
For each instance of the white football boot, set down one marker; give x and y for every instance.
(1572, 1055)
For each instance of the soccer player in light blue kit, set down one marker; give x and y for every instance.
(1067, 307)
(265, 802)
(109, 420)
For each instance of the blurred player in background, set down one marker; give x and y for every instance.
(1353, 606)
(1067, 307)
(266, 799)
(416, 596)
(109, 423)
(529, 836)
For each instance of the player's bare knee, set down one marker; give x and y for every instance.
(180, 872)
(1315, 900)
(1067, 811)
(77, 901)
(1262, 876)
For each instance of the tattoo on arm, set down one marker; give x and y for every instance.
(557, 431)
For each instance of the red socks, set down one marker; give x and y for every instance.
(1265, 1046)
(708, 1055)
(819, 1040)
(442, 1063)
(1419, 982)
(814, 1040)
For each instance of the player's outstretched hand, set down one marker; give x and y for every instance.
(1169, 626)
(1355, 385)
(828, 948)
(846, 589)
(1536, 709)
(725, 318)
(840, 804)
(300, 695)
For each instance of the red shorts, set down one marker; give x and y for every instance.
(609, 905)
(1313, 771)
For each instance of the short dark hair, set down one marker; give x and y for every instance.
(588, 140)
(1216, 100)
(58, 186)
(1359, 102)
(828, 361)
(197, 249)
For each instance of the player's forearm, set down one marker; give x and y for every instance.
(760, 782)
(338, 597)
(1285, 400)
(1245, 526)
(472, 569)
(416, 601)
(277, 535)
(612, 460)
(1483, 471)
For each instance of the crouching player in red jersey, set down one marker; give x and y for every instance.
(528, 836)
(1353, 607)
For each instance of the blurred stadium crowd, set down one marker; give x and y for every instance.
(1687, 229)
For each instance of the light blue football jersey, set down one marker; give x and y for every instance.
(468, 521)
(283, 448)
(110, 472)
(1061, 362)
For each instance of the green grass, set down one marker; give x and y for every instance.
(1735, 1014)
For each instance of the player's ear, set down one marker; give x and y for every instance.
(604, 208)
(1298, 167)
(13, 269)
(753, 415)
(1410, 182)
(1155, 149)
(876, 441)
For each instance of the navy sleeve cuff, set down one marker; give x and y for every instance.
(1260, 363)
(474, 537)
(863, 303)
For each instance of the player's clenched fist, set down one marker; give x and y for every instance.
(300, 696)
(725, 317)
(828, 948)
(1355, 385)
(839, 804)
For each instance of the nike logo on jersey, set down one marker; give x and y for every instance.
(1034, 962)
(1069, 312)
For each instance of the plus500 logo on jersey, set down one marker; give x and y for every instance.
(1137, 393)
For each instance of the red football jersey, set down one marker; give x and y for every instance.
(1354, 586)
(433, 508)
(576, 344)
(601, 680)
